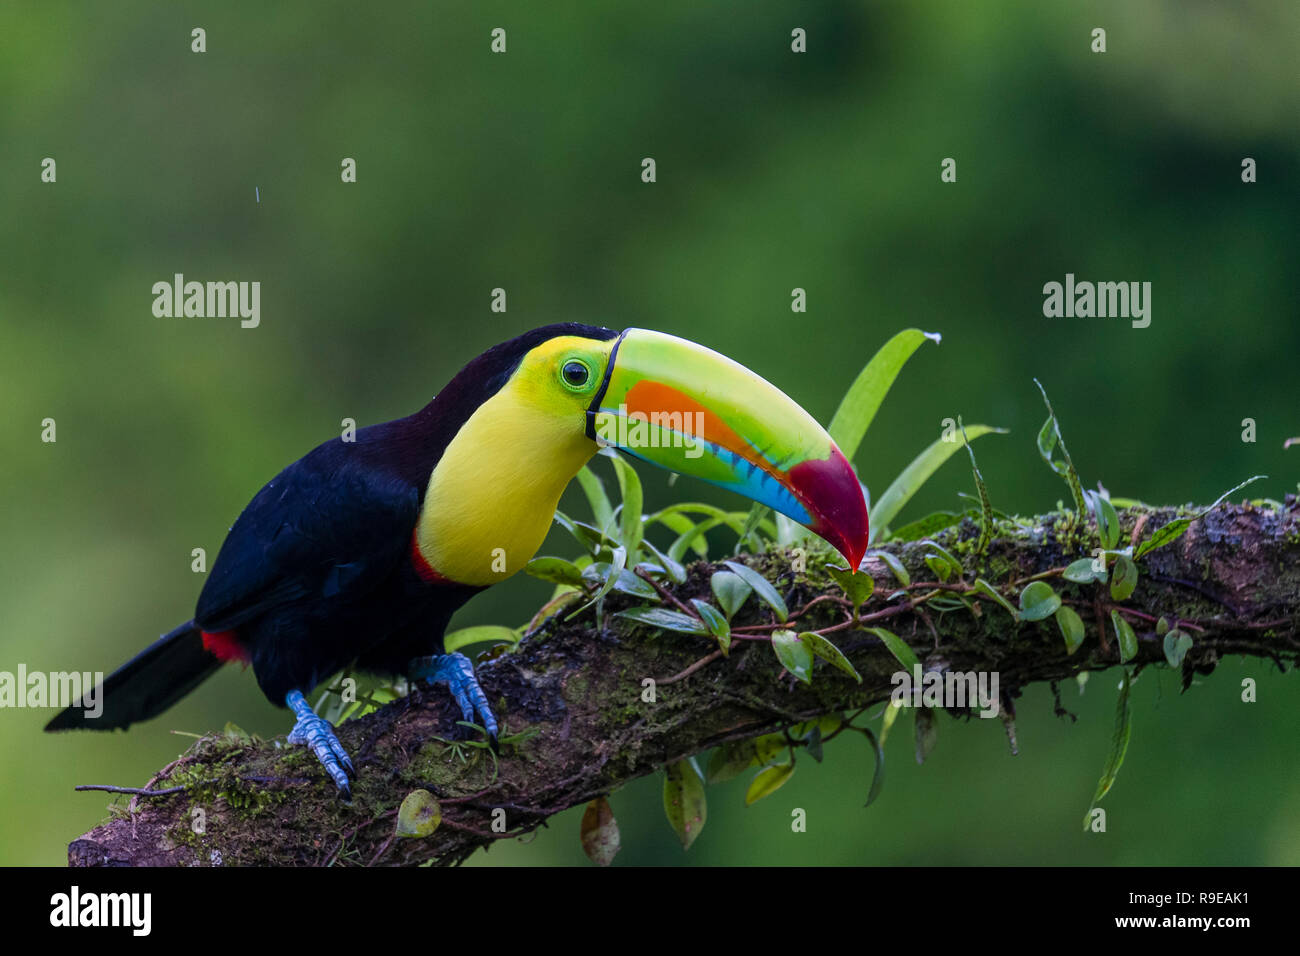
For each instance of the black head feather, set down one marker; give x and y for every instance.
(414, 445)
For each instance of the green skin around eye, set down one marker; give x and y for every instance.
(575, 374)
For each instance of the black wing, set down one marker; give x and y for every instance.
(334, 521)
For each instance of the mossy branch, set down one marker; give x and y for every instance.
(1232, 582)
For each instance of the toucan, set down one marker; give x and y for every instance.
(360, 552)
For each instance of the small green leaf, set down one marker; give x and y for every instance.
(731, 590)
(419, 815)
(1071, 628)
(1038, 601)
(625, 582)
(924, 527)
(590, 538)
(829, 723)
(927, 733)
(1174, 529)
(609, 576)
(895, 566)
(983, 587)
(942, 569)
(664, 619)
(676, 573)
(1128, 642)
(599, 832)
(1107, 521)
(769, 748)
(986, 509)
(788, 533)
(762, 587)
(601, 510)
(1164, 535)
(630, 527)
(716, 623)
(910, 480)
(556, 570)
(940, 561)
(897, 646)
(732, 519)
(1177, 644)
(1047, 443)
(234, 732)
(1083, 571)
(561, 599)
(479, 634)
(948, 604)
(892, 711)
(856, 585)
(687, 537)
(768, 782)
(878, 776)
(730, 760)
(685, 804)
(813, 742)
(694, 538)
(1118, 748)
(753, 521)
(1123, 578)
(862, 400)
(1162, 626)
(1048, 437)
(829, 653)
(794, 655)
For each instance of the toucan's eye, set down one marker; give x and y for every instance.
(575, 374)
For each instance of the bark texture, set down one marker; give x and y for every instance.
(1235, 574)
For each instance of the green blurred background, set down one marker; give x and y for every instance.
(775, 171)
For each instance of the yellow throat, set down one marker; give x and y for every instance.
(492, 496)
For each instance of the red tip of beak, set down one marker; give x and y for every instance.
(830, 491)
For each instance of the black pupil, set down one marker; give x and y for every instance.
(575, 373)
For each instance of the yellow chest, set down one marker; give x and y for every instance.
(492, 496)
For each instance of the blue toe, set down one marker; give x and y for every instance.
(456, 671)
(317, 734)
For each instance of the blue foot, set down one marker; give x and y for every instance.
(457, 673)
(317, 734)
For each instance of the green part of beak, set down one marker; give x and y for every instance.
(686, 408)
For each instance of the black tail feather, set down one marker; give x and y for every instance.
(147, 684)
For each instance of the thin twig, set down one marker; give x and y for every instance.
(138, 791)
(383, 848)
(702, 662)
(817, 600)
(1152, 619)
(1049, 573)
(1137, 530)
(665, 593)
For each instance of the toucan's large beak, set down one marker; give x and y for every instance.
(686, 408)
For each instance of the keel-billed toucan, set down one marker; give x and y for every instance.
(360, 551)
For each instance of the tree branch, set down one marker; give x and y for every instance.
(1232, 582)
